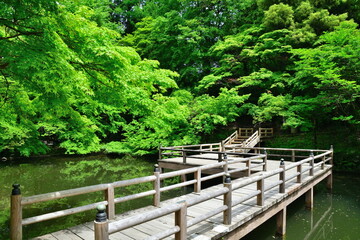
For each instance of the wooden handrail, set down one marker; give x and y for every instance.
(228, 202)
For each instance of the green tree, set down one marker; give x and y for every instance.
(64, 77)
(329, 75)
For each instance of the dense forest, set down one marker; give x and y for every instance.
(127, 76)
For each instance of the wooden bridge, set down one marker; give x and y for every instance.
(226, 211)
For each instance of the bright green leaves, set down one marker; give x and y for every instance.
(332, 69)
(177, 120)
(66, 80)
(279, 16)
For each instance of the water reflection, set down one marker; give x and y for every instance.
(38, 176)
(320, 229)
(334, 216)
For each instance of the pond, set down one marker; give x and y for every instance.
(335, 216)
(43, 175)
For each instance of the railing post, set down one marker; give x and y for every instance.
(282, 177)
(248, 166)
(265, 160)
(299, 177)
(228, 200)
(184, 156)
(219, 157)
(293, 155)
(160, 152)
(226, 166)
(222, 146)
(281, 222)
(180, 220)
(16, 213)
(109, 197)
(260, 196)
(101, 224)
(197, 176)
(309, 198)
(156, 199)
(311, 171)
(323, 163)
(332, 155)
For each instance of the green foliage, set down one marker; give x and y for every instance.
(92, 75)
(279, 16)
(72, 82)
(178, 119)
(345, 142)
(328, 73)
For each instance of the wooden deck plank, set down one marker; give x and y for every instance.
(45, 237)
(83, 231)
(65, 235)
(134, 233)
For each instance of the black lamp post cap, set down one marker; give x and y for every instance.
(227, 178)
(156, 168)
(282, 163)
(16, 189)
(101, 214)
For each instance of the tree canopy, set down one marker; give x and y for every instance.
(127, 76)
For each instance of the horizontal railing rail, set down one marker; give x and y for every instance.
(291, 154)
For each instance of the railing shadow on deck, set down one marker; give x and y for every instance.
(18, 202)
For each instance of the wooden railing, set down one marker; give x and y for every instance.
(18, 202)
(252, 140)
(103, 229)
(231, 138)
(266, 132)
(245, 132)
(176, 151)
(289, 154)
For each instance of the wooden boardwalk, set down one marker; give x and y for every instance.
(246, 216)
(255, 189)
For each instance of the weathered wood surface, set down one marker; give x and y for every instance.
(245, 216)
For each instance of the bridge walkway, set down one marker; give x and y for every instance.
(245, 216)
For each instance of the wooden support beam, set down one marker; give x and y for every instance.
(16, 214)
(109, 197)
(156, 200)
(329, 182)
(281, 222)
(184, 156)
(248, 168)
(260, 196)
(180, 220)
(228, 201)
(282, 177)
(299, 177)
(309, 198)
(197, 185)
(265, 161)
(101, 230)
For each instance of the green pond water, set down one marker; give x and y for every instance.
(335, 216)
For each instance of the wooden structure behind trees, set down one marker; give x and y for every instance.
(238, 206)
